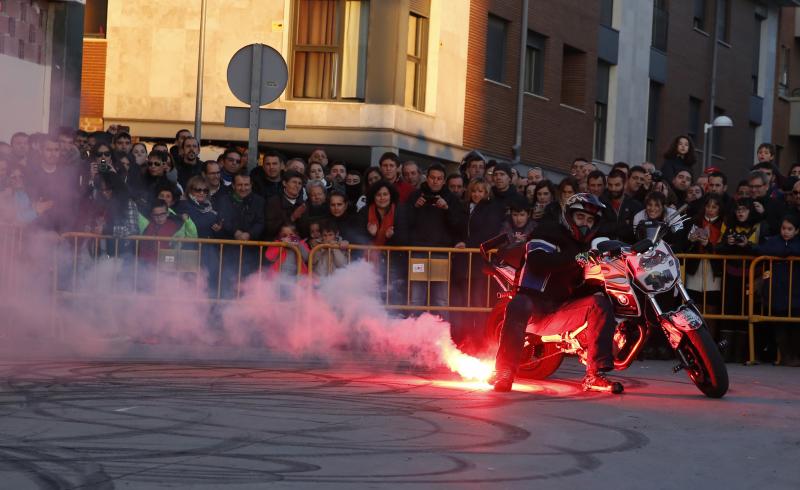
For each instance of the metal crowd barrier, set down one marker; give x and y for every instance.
(11, 251)
(733, 287)
(150, 264)
(722, 294)
(769, 301)
(447, 279)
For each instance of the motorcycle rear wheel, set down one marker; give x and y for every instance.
(706, 367)
(539, 360)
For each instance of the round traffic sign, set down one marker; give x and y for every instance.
(274, 74)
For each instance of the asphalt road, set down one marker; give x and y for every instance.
(148, 424)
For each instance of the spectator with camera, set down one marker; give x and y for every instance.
(704, 277)
(434, 220)
(741, 234)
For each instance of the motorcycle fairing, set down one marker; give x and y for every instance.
(532, 279)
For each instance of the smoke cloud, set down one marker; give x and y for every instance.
(338, 319)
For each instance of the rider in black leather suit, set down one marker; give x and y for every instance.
(552, 294)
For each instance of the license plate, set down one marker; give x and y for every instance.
(686, 319)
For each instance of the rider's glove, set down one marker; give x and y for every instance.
(587, 258)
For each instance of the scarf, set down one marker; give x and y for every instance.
(202, 207)
(384, 224)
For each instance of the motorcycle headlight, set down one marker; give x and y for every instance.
(656, 271)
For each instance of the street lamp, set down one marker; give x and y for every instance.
(708, 146)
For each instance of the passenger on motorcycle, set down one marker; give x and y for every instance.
(551, 292)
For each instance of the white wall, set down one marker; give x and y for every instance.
(24, 97)
(630, 82)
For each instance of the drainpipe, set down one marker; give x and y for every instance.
(523, 45)
(198, 106)
(709, 136)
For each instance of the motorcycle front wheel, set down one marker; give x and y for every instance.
(705, 365)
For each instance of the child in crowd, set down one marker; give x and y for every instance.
(314, 234)
(776, 296)
(162, 223)
(704, 277)
(741, 233)
(283, 259)
(331, 258)
(520, 225)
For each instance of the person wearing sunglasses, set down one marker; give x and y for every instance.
(162, 223)
(199, 208)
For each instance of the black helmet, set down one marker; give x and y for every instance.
(588, 203)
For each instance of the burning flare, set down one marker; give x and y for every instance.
(468, 367)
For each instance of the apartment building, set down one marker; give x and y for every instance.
(530, 81)
(40, 63)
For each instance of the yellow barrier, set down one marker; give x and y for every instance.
(430, 270)
(11, 249)
(719, 286)
(146, 260)
(412, 278)
(763, 309)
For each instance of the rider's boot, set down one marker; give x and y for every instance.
(597, 381)
(502, 379)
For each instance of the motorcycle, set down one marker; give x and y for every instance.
(643, 282)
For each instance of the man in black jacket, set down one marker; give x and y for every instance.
(434, 220)
(617, 221)
(550, 292)
(286, 207)
(503, 193)
(241, 215)
(267, 179)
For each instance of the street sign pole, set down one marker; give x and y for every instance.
(257, 75)
(255, 105)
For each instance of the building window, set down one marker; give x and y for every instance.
(723, 20)
(534, 63)
(496, 48)
(700, 14)
(653, 111)
(329, 51)
(783, 77)
(606, 12)
(660, 25)
(573, 77)
(601, 111)
(694, 118)
(94, 18)
(416, 57)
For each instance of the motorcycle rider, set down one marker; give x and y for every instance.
(551, 292)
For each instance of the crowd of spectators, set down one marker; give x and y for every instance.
(104, 183)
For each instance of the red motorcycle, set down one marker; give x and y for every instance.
(643, 282)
